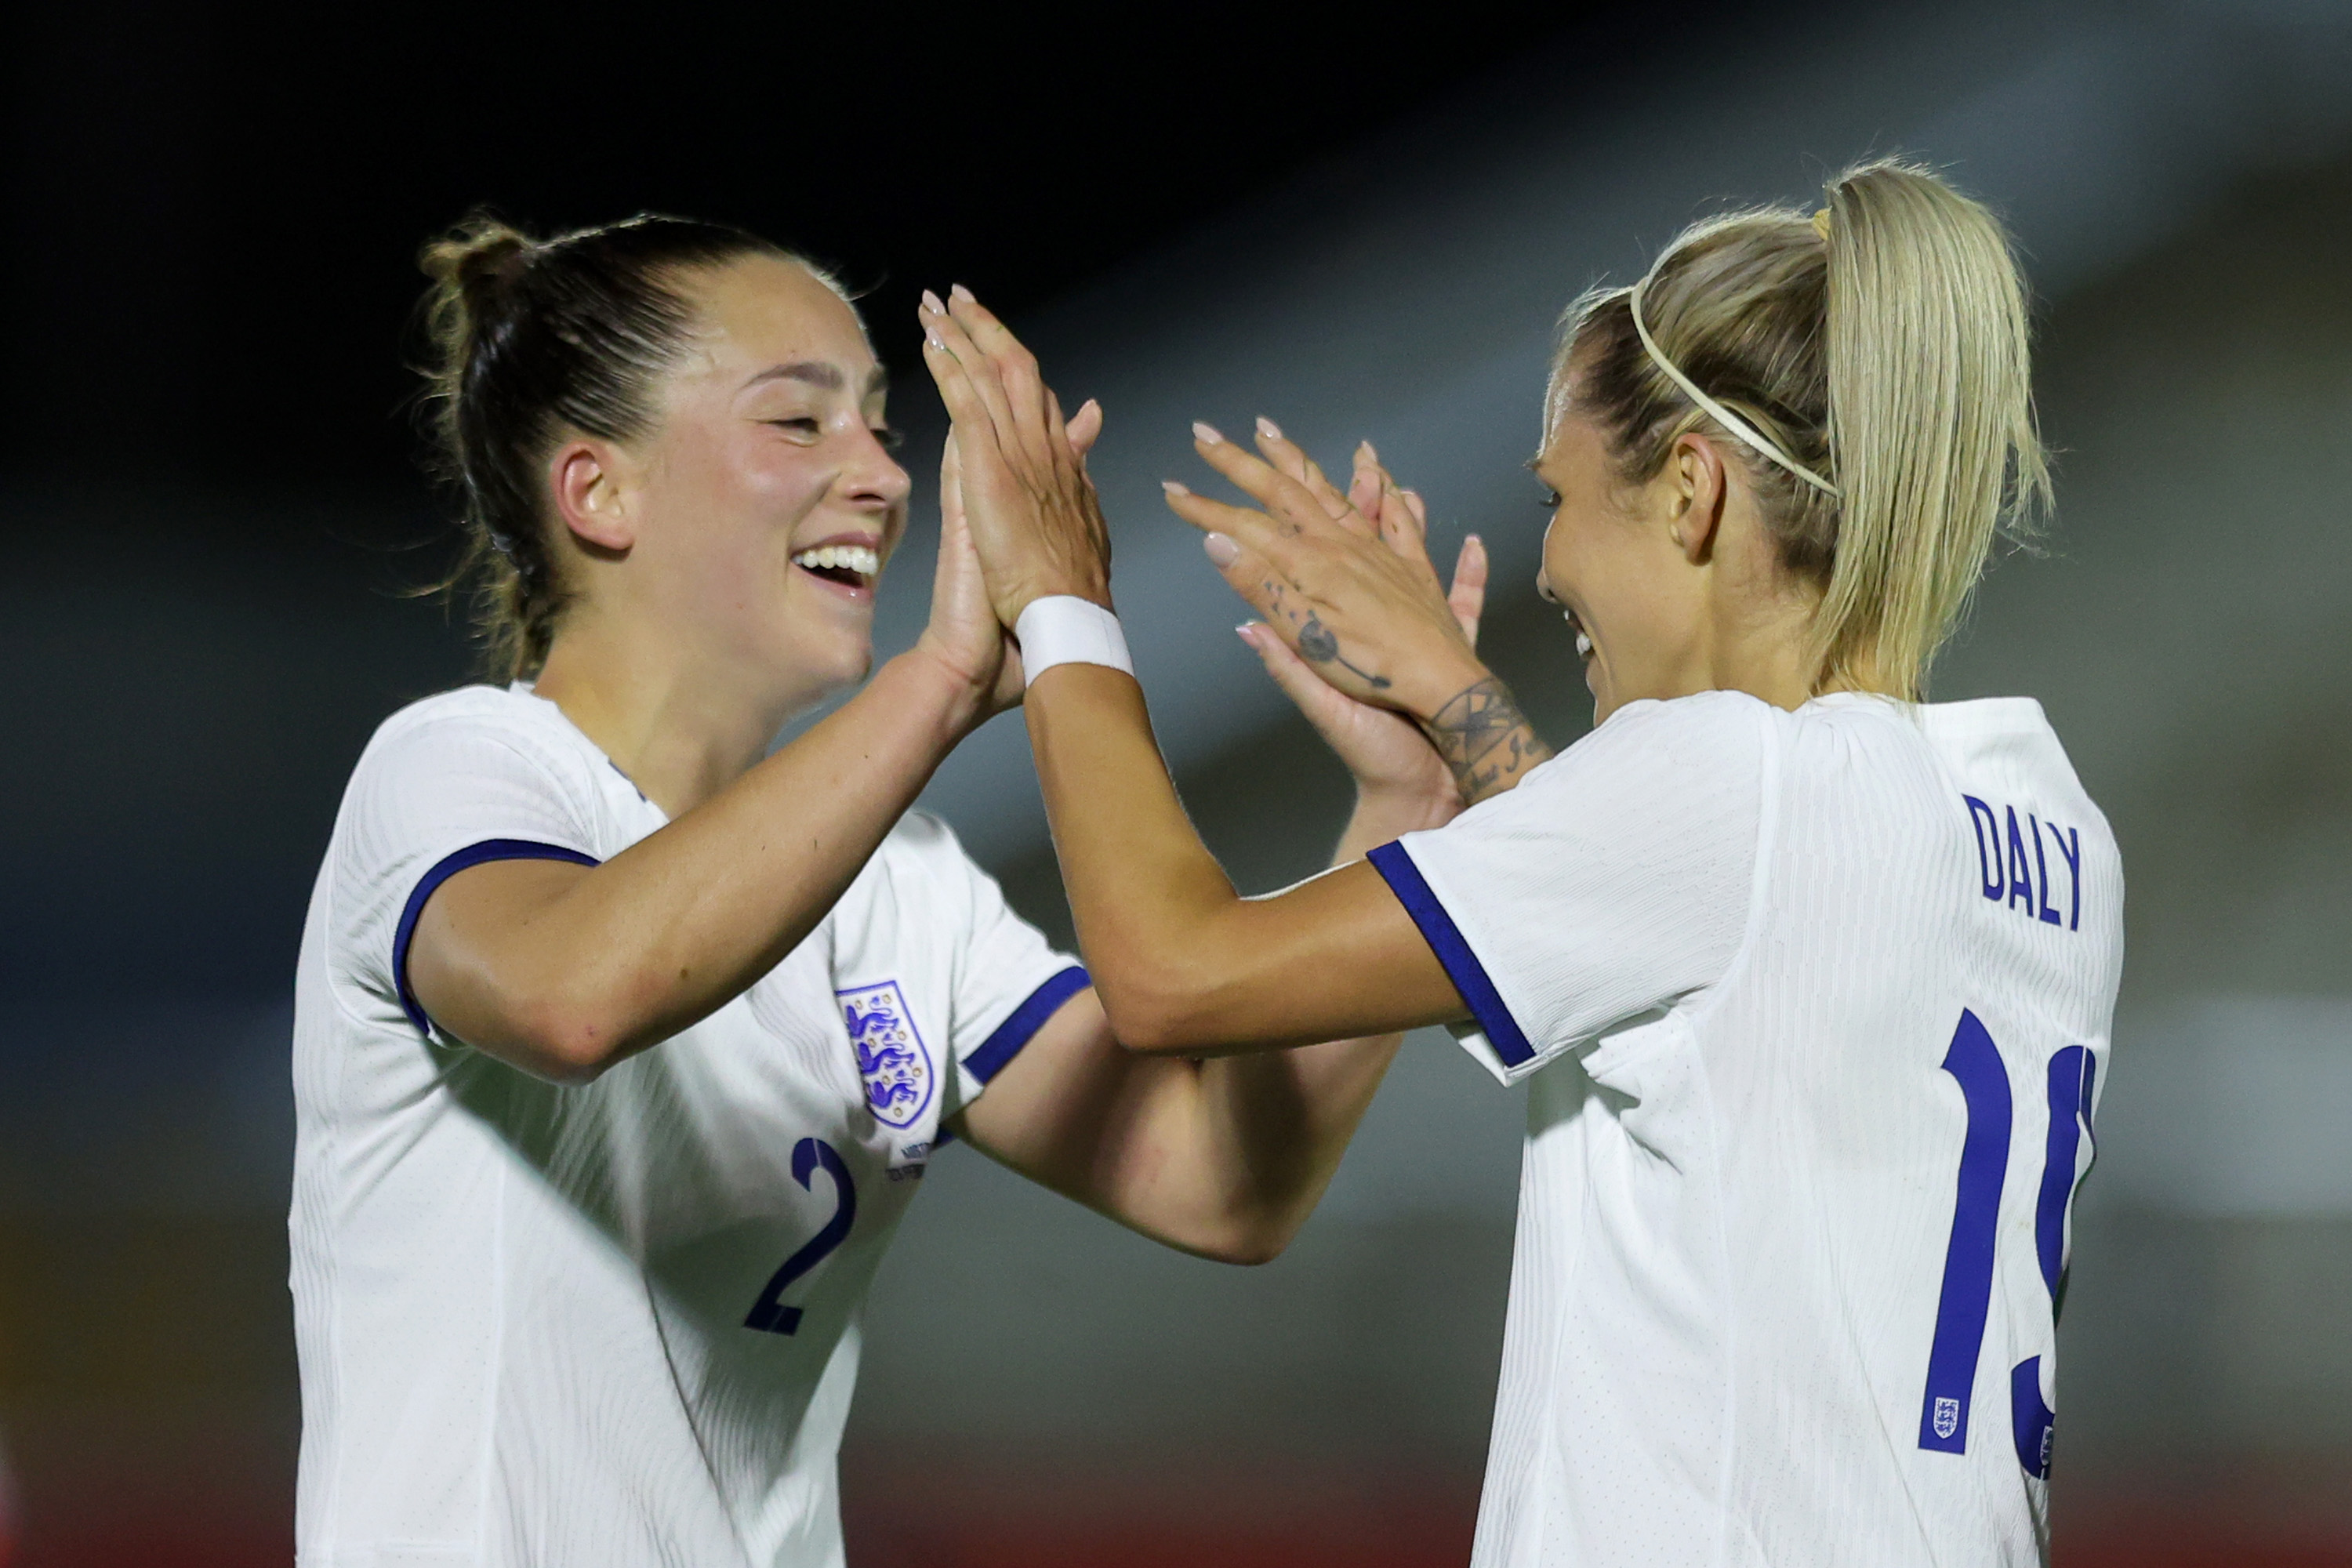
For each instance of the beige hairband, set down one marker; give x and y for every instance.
(1821, 223)
(1724, 417)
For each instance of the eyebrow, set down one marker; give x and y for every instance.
(819, 374)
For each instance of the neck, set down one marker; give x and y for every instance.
(1759, 637)
(1779, 668)
(681, 725)
(1763, 650)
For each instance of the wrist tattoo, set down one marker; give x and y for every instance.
(1485, 740)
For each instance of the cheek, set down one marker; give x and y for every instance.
(783, 480)
(754, 490)
(1573, 565)
(748, 507)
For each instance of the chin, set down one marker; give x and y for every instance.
(838, 667)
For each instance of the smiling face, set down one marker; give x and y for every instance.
(1611, 561)
(1677, 583)
(758, 512)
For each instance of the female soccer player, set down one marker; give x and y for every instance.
(1811, 981)
(617, 1047)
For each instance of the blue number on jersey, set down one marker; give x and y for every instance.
(1967, 1260)
(1975, 1062)
(2072, 1074)
(769, 1312)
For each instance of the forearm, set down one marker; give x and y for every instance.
(1266, 1133)
(1378, 818)
(1146, 895)
(691, 916)
(1184, 964)
(1485, 740)
(1279, 1122)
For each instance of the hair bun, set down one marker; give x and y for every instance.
(477, 261)
(528, 340)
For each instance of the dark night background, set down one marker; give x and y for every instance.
(210, 285)
(214, 529)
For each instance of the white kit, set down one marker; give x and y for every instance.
(1815, 1011)
(617, 1322)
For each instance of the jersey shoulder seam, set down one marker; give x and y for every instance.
(544, 762)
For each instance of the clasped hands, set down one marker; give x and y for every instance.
(1355, 625)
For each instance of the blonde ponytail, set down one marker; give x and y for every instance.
(1931, 418)
(1873, 361)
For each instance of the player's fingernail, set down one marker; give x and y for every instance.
(1371, 451)
(932, 303)
(1268, 429)
(1222, 548)
(1247, 632)
(960, 292)
(1206, 434)
(933, 340)
(1173, 489)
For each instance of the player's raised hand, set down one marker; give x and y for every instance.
(964, 632)
(1385, 752)
(1351, 592)
(1031, 511)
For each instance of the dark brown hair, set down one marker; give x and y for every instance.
(534, 339)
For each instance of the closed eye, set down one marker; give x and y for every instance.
(1550, 496)
(805, 425)
(891, 439)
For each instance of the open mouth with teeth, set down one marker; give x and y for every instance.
(1583, 638)
(847, 565)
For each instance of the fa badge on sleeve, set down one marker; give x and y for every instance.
(892, 1060)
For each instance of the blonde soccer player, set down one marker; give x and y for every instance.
(620, 1045)
(1810, 980)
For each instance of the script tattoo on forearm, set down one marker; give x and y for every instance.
(1485, 740)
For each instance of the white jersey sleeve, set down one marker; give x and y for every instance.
(439, 793)
(1615, 879)
(1004, 980)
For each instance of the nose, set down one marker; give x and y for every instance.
(1543, 587)
(872, 477)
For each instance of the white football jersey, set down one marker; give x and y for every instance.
(1815, 1009)
(616, 1322)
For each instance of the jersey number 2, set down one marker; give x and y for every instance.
(769, 1313)
(1975, 1062)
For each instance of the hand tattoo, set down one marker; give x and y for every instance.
(1317, 645)
(1485, 740)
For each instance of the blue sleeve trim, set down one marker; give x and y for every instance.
(481, 854)
(1028, 1018)
(1461, 964)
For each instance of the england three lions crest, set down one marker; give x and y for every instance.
(891, 1056)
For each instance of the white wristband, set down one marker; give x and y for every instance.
(1064, 629)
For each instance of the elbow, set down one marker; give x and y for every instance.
(1252, 1253)
(1150, 1030)
(1249, 1243)
(565, 1040)
(1153, 1012)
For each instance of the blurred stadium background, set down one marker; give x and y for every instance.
(210, 509)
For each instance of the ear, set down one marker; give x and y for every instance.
(1698, 490)
(592, 494)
